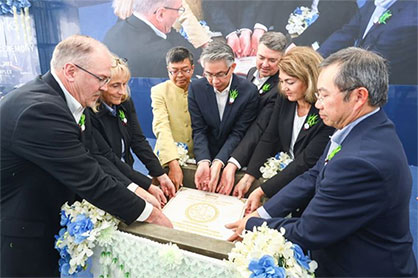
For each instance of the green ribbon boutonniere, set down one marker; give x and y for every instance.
(385, 16)
(82, 122)
(233, 94)
(265, 88)
(311, 121)
(122, 117)
(333, 153)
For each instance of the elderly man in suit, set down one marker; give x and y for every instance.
(221, 106)
(387, 27)
(45, 164)
(265, 75)
(143, 38)
(171, 123)
(356, 222)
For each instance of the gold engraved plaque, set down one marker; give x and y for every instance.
(203, 212)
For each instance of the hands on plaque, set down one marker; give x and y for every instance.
(239, 226)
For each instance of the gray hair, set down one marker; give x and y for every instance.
(147, 7)
(274, 40)
(361, 68)
(178, 54)
(217, 51)
(75, 49)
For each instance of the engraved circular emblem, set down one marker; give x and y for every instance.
(202, 212)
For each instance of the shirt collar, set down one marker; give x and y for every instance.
(147, 22)
(75, 107)
(339, 136)
(227, 87)
(385, 4)
(111, 109)
(259, 81)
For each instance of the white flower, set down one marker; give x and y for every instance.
(275, 164)
(183, 151)
(300, 19)
(170, 255)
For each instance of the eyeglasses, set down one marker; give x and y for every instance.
(119, 61)
(218, 75)
(179, 10)
(102, 80)
(183, 71)
(321, 99)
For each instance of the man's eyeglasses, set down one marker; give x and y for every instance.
(102, 80)
(183, 71)
(218, 75)
(179, 10)
(348, 91)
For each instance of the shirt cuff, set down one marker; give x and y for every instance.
(132, 187)
(223, 164)
(263, 213)
(260, 26)
(204, 160)
(235, 162)
(146, 212)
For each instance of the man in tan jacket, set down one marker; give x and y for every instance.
(171, 123)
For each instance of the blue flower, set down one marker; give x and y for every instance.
(64, 218)
(64, 266)
(64, 254)
(298, 10)
(79, 227)
(266, 268)
(300, 257)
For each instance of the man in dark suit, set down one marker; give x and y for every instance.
(356, 222)
(389, 29)
(221, 107)
(265, 75)
(145, 37)
(44, 163)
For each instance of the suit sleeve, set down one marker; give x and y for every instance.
(199, 128)
(302, 162)
(241, 125)
(161, 126)
(140, 145)
(349, 196)
(59, 151)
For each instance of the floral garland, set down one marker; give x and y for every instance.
(275, 164)
(84, 226)
(265, 252)
(300, 19)
(183, 151)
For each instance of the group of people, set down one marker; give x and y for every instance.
(348, 186)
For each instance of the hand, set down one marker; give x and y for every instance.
(167, 185)
(234, 42)
(255, 39)
(157, 217)
(254, 200)
(147, 197)
(243, 185)
(202, 176)
(227, 179)
(158, 194)
(245, 42)
(175, 173)
(239, 226)
(215, 171)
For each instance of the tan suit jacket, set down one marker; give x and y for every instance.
(171, 121)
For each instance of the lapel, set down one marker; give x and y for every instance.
(272, 81)
(228, 107)
(123, 127)
(210, 96)
(303, 132)
(250, 74)
(286, 122)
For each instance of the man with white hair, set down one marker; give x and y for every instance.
(142, 37)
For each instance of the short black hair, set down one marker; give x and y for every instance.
(178, 54)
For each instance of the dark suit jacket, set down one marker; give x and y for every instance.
(243, 151)
(145, 51)
(307, 149)
(113, 131)
(43, 165)
(396, 40)
(213, 138)
(357, 219)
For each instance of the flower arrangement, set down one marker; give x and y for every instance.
(122, 117)
(275, 164)
(82, 122)
(385, 16)
(311, 121)
(84, 226)
(183, 151)
(233, 94)
(300, 19)
(170, 256)
(265, 252)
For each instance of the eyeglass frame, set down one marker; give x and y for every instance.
(102, 80)
(172, 72)
(217, 75)
(320, 99)
(179, 10)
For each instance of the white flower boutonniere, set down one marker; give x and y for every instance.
(82, 122)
